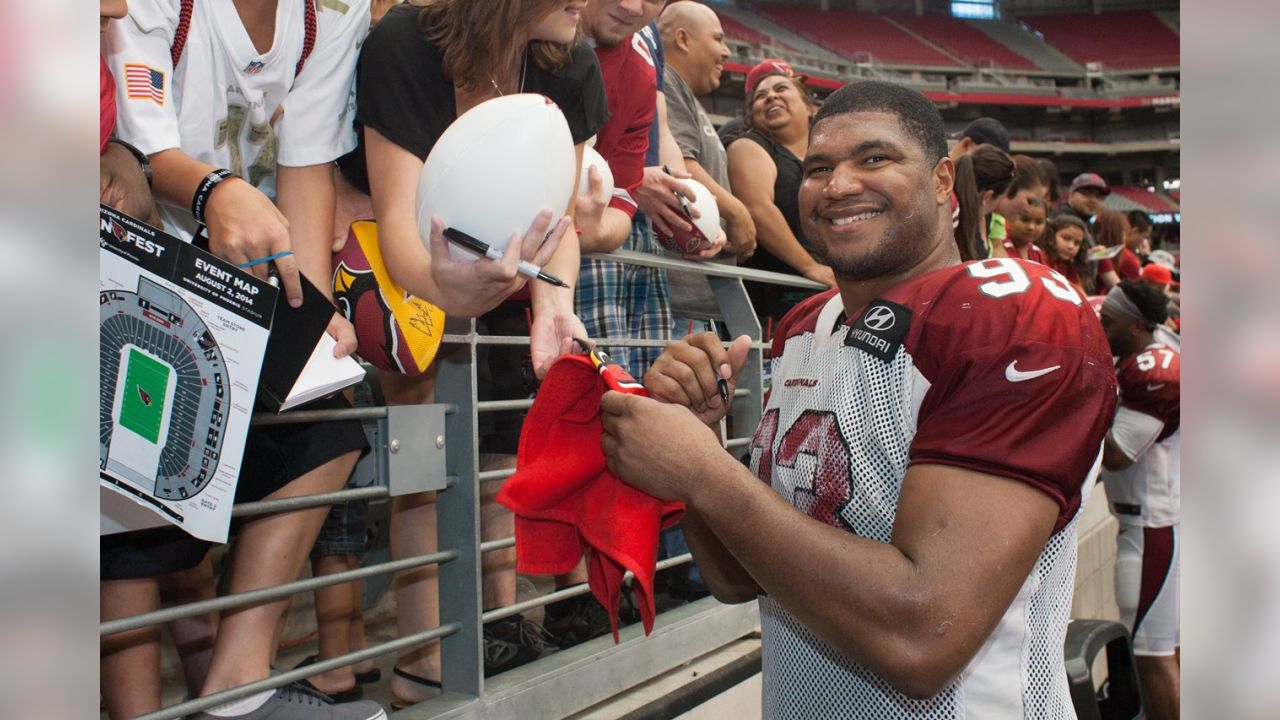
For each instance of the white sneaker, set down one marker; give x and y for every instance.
(292, 702)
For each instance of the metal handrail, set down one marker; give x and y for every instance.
(257, 597)
(466, 552)
(302, 502)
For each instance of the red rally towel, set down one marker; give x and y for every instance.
(567, 502)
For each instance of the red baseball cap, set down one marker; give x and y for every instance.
(765, 68)
(1158, 274)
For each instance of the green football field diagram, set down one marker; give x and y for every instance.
(146, 383)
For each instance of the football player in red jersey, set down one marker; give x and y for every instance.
(932, 430)
(1142, 475)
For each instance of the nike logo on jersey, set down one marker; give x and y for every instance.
(1153, 388)
(1014, 375)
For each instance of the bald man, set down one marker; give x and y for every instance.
(695, 51)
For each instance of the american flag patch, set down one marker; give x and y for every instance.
(144, 83)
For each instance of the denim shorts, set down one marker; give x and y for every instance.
(344, 531)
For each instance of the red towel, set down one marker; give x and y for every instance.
(567, 502)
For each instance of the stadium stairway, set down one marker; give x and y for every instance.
(960, 40)
(1029, 46)
(1170, 18)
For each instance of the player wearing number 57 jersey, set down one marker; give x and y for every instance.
(1142, 475)
(930, 436)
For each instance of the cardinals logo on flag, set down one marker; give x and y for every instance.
(143, 82)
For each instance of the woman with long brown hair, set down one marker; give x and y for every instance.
(1110, 228)
(982, 177)
(423, 66)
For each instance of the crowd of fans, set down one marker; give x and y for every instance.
(264, 128)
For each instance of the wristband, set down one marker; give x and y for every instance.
(143, 160)
(201, 199)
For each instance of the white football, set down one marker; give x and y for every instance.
(591, 158)
(705, 227)
(495, 168)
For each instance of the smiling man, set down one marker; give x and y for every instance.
(693, 41)
(932, 430)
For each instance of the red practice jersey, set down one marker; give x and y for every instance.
(1147, 425)
(630, 83)
(997, 366)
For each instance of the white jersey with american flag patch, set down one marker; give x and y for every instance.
(225, 103)
(996, 366)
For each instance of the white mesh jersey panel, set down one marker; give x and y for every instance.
(834, 443)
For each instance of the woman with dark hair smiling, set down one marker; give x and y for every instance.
(765, 173)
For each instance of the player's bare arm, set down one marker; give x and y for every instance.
(1113, 458)
(914, 610)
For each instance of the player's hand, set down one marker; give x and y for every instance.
(244, 225)
(821, 273)
(121, 185)
(656, 197)
(655, 447)
(473, 287)
(343, 333)
(551, 336)
(688, 370)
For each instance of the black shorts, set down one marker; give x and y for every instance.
(503, 372)
(274, 455)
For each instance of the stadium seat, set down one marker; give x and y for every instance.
(1121, 40)
(737, 30)
(1140, 198)
(853, 34)
(1120, 698)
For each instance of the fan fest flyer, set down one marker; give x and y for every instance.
(182, 340)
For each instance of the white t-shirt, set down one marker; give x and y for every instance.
(228, 105)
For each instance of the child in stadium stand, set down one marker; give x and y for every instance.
(1028, 182)
(1063, 245)
(242, 108)
(1143, 479)
(1025, 227)
(932, 430)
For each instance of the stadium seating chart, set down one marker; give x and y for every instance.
(181, 345)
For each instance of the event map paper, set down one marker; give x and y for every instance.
(182, 340)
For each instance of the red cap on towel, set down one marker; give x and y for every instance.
(566, 501)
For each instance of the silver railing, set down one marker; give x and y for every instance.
(434, 447)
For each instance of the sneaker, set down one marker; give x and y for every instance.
(294, 702)
(579, 619)
(512, 642)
